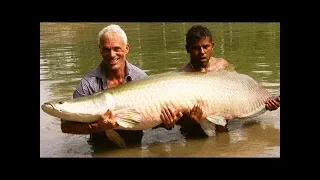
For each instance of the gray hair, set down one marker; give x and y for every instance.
(113, 28)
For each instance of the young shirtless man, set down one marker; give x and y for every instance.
(200, 46)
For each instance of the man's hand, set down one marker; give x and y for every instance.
(273, 104)
(107, 121)
(195, 113)
(169, 117)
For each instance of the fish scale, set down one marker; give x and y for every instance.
(222, 89)
(219, 93)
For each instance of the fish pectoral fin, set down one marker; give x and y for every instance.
(208, 127)
(115, 137)
(128, 118)
(217, 119)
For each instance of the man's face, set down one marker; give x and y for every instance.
(114, 51)
(200, 52)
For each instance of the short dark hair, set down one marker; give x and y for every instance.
(197, 32)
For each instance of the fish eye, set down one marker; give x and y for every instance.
(61, 102)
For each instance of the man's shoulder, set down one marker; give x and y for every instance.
(222, 64)
(185, 68)
(136, 69)
(91, 76)
(96, 72)
(137, 72)
(220, 60)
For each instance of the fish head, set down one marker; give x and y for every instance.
(59, 108)
(83, 109)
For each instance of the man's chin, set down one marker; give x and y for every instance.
(204, 60)
(203, 63)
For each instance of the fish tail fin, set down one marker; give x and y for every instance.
(209, 123)
(208, 127)
(128, 118)
(217, 119)
(115, 137)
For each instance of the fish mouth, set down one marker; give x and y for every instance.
(47, 107)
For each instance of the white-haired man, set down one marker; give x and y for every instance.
(113, 71)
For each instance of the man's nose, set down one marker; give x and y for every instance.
(112, 53)
(201, 50)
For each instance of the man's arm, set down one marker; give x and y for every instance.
(79, 128)
(107, 122)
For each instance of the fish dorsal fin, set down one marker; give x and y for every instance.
(128, 118)
(115, 137)
(208, 127)
(217, 119)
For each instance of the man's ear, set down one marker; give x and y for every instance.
(187, 48)
(127, 48)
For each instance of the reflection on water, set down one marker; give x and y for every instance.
(252, 138)
(69, 50)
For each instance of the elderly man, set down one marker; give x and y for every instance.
(113, 71)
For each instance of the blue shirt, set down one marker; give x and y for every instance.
(96, 81)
